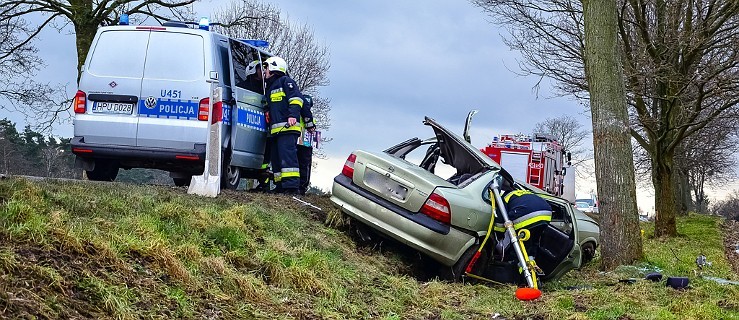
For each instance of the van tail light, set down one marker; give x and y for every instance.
(203, 110)
(437, 207)
(80, 102)
(349, 166)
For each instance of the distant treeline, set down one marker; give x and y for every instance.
(31, 153)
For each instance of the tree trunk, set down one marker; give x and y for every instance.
(664, 196)
(682, 193)
(700, 196)
(85, 33)
(614, 164)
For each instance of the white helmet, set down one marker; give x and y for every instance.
(252, 67)
(276, 64)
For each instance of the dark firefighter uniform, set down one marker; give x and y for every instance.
(526, 210)
(284, 101)
(305, 150)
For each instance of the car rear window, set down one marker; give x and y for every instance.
(175, 56)
(119, 53)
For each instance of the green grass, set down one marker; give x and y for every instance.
(73, 249)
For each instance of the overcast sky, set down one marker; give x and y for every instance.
(392, 63)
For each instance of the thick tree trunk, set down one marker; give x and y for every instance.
(85, 32)
(614, 164)
(664, 196)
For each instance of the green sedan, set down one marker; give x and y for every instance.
(439, 205)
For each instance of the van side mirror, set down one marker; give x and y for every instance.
(569, 156)
(213, 75)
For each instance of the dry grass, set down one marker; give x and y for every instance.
(104, 250)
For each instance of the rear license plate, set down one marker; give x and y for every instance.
(385, 185)
(112, 107)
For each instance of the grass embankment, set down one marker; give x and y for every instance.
(104, 250)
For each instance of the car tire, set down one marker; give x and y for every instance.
(181, 182)
(105, 170)
(588, 252)
(455, 273)
(230, 175)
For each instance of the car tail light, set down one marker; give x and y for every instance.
(349, 166)
(80, 102)
(203, 110)
(437, 208)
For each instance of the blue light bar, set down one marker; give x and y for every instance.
(204, 24)
(256, 43)
(123, 20)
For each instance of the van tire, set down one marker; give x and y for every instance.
(230, 175)
(181, 182)
(455, 273)
(105, 170)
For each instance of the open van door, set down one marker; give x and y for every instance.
(249, 125)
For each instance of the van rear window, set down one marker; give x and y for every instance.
(119, 54)
(175, 56)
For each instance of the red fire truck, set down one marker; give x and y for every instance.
(537, 159)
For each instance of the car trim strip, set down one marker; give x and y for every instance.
(421, 219)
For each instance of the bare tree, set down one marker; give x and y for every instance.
(708, 159)
(614, 165)
(19, 64)
(681, 63)
(85, 16)
(569, 132)
(308, 61)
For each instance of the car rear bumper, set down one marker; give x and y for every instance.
(147, 157)
(442, 243)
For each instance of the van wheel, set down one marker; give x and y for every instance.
(230, 175)
(455, 272)
(181, 182)
(105, 170)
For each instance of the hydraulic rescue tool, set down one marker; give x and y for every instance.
(528, 266)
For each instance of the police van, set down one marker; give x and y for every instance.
(143, 102)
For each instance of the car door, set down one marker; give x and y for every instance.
(173, 84)
(112, 81)
(564, 220)
(249, 129)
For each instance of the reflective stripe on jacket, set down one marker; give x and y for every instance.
(525, 209)
(284, 101)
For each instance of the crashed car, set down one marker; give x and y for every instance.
(447, 218)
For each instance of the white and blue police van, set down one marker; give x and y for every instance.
(143, 102)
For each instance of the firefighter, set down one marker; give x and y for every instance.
(284, 102)
(254, 75)
(305, 150)
(527, 211)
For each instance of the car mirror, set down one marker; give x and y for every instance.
(213, 75)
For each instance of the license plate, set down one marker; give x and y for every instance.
(385, 185)
(112, 107)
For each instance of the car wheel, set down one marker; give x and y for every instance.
(230, 175)
(181, 182)
(455, 272)
(588, 252)
(105, 170)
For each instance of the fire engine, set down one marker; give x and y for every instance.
(537, 159)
